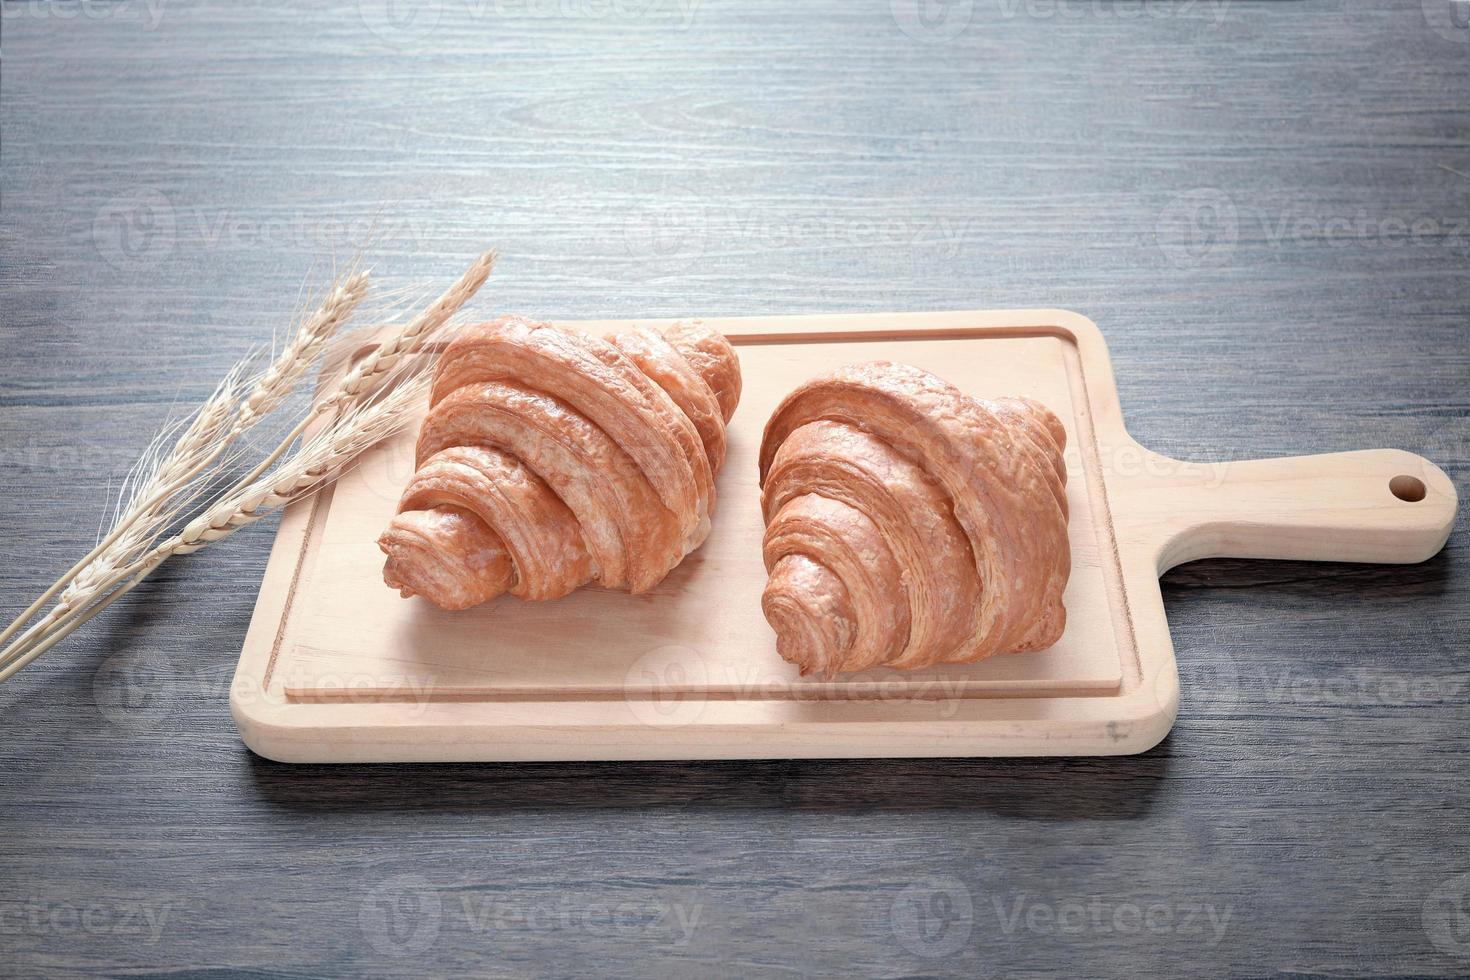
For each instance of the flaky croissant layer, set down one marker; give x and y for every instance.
(908, 524)
(551, 459)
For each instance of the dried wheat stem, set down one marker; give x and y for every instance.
(196, 437)
(130, 552)
(387, 355)
(279, 380)
(67, 614)
(195, 449)
(219, 421)
(381, 361)
(9, 665)
(317, 463)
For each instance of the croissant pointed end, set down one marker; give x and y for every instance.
(1046, 631)
(805, 608)
(711, 355)
(447, 556)
(396, 573)
(1044, 417)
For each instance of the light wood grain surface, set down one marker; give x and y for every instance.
(1266, 206)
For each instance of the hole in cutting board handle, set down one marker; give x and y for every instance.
(1407, 488)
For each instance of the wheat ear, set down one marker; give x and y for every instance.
(196, 438)
(380, 361)
(223, 417)
(278, 380)
(361, 421)
(318, 462)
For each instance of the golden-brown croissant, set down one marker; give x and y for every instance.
(908, 524)
(551, 459)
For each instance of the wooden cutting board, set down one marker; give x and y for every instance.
(337, 668)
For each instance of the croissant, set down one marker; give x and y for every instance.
(550, 459)
(908, 524)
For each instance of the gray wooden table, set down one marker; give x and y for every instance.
(1266, 206)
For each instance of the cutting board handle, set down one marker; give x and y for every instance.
(1376, 505)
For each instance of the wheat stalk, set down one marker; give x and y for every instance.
(364, 377)
(216, 424)
(317, 463)
(157, 501)
(137, 522)
(380, 362)
(278, 380)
